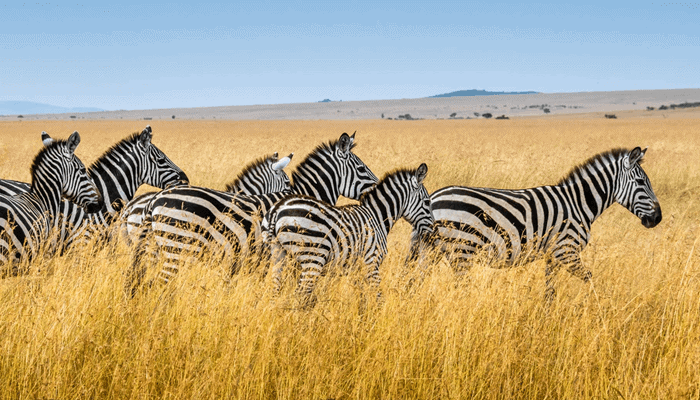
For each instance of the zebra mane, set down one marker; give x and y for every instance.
(388, 177)
(131, 139)
(604, 157)
(42, 154)
(247, 169)
(316, 154)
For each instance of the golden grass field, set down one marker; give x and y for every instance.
(68, 332)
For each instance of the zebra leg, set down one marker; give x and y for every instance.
(576, 268)
(277, 258)
(373, 277)
(135, 274)
(549, 292)
(310, 271)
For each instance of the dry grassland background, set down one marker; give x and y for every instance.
(68, 332)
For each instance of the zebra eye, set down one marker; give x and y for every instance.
(640, 181)
(361, 169)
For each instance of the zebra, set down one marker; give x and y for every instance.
(198, 218)
(264, 175)
(316, 233)
(118, 173)
(551, 222)
(27, 219)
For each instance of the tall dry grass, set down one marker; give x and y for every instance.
(67, 331)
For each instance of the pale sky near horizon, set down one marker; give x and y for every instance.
(129, 55)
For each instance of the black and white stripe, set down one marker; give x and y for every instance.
(118, 173)
(27, 219)
(315, 233)
(518, 225)
(195, 218)
(262, 176)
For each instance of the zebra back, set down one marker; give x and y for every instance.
(262, 176)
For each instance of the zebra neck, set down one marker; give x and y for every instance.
(116, 178)
(591, 192)
(384, 209)
(46, 191)
(321, 184)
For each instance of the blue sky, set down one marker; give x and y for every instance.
(128, 55)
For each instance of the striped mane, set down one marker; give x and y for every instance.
(604, 158)
(324, 148)
(43, 154)
(260, 162)
(386, 179)
(131, 139)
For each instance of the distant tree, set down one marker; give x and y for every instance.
(20, 116)
(663, 107)
(173, 117)
(546, 110)
(486, 115)
(382, 115)
(408, 116)
(650, 108)
(453, 115)
(72, 116)
(476, 114)
(610, 116)
(502, 117)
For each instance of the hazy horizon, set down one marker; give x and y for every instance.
(176, 55)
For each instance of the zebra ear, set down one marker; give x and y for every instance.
(73, 142)
(145, 137)
(275, 156)
(345, 143)
(635, 156)
(46, 139)
(421, 172)
(279, 165)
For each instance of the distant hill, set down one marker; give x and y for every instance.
(475, 92)
(30, 107)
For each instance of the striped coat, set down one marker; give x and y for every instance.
(118, 173)
(522, 225)
(262, 176)
(27, 219)
(197, 219)
(315, 233)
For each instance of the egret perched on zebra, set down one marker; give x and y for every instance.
(195, 218)
(27, 219)
(552, 221)
(118, 173)
(316, 233)
(262, 176)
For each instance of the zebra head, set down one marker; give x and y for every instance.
(355, 177)
(418, 206)
(265, 175)
(76, 184)
(159, 170)
(633, 189)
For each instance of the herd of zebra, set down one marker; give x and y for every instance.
(263, 213)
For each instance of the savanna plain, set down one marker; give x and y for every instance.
(67, 330)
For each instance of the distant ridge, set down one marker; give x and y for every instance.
(475, 92)
(30, 107)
